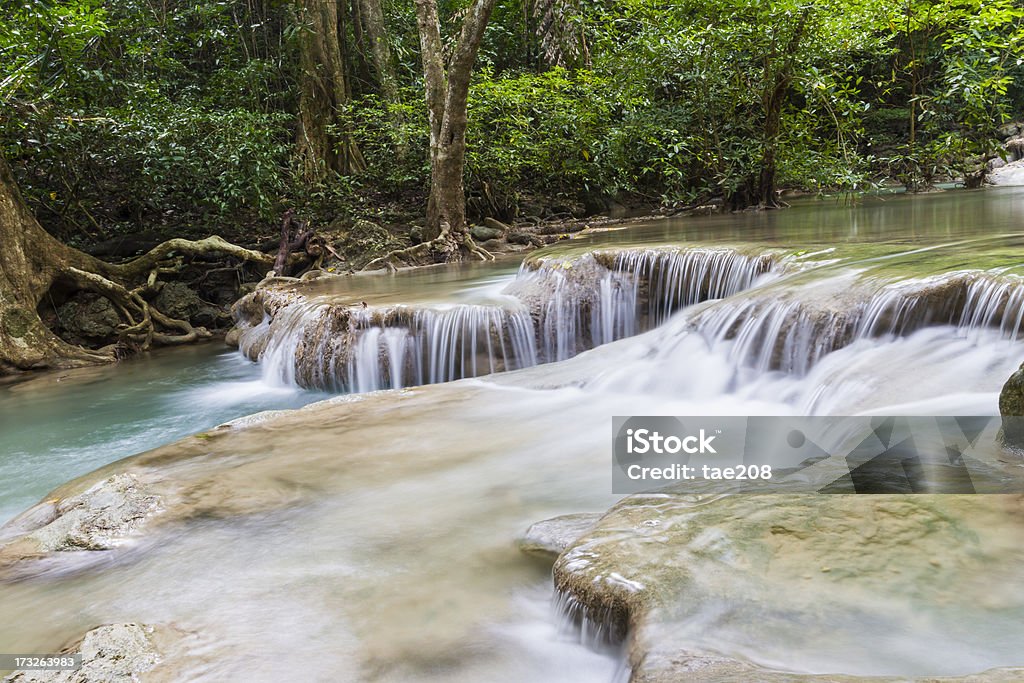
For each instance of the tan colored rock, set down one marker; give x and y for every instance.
(792, 576)
(113, 653)
(102, 517)
(550, 537)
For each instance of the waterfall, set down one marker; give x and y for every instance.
(348, 349)
(603, 628)
(553, 310)
(679, 278)
(792, 334)
(558, 307)
(602, 296)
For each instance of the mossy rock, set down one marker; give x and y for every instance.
(1011, 405)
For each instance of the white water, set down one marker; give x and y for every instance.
(399, 563)
(549, 312)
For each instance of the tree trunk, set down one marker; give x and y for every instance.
(30, 262)
(447, 94)
(323, 92)
(33, 265)
(372, 15)
(777, 84)
(766, 196)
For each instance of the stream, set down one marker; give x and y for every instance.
(371, 536)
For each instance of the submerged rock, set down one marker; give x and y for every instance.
(550, 537)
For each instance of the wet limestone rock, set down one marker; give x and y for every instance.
(1011, 405)
(1010, 174)
(550, 537)
(100, 518)
(112, 653)
(1011, 398)
(683, 577)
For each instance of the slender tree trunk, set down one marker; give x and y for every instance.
(375, 33)
(765, 194)
(772, 102)
(34, 265)
(323, 93)
(447, 93)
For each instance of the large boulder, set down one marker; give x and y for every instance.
(1011, 398)
(1010, 174)
(180, 301)
(88, 319)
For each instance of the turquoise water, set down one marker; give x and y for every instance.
(61, 425)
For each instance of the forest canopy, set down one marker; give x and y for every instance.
(186, 117)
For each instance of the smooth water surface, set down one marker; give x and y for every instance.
(60, 425)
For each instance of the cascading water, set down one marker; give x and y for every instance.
(372, 537)
(793, 331)
(359, 350)
(553, 310)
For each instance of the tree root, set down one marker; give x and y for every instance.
(142, 318)
(449, 245)
(145, 325)
(33, 264)
(134, 269)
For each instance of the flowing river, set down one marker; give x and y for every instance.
(372, 536)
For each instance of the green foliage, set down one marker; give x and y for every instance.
(157, 161)
(955, 64)
(125, 115)
(128, 114)
(394, 140)
(542, 132)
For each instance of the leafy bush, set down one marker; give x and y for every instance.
(545, 133)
